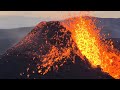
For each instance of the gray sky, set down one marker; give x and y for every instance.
(15, 19)
(59, 14)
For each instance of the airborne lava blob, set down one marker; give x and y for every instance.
(86, 35)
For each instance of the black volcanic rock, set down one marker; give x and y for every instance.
(18, 61)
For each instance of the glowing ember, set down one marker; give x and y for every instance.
(86, 36)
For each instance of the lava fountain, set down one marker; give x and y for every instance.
(88, 40)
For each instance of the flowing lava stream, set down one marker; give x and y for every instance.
(99, 53)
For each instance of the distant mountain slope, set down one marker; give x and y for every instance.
(110, 25)
(8, 37)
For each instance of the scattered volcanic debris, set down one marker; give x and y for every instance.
(48, 51)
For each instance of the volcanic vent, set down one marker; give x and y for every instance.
(48, 51)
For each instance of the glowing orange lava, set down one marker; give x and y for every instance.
(86, 36)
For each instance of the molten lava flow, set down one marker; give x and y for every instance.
(54, 56)
(87, 38)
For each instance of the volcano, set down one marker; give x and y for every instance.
(47, 52)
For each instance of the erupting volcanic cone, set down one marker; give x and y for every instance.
(48, 51)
